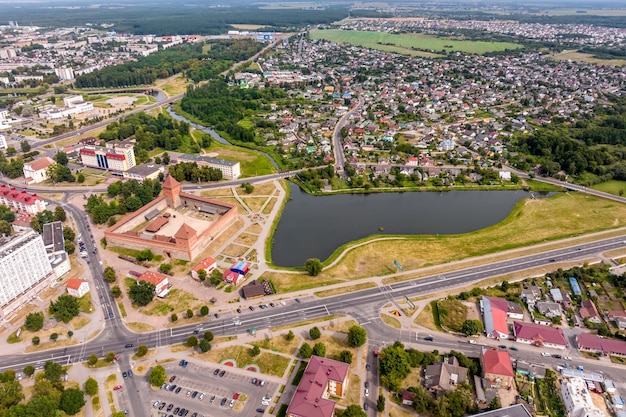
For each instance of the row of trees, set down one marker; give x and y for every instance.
(132, 196)
(190, 171)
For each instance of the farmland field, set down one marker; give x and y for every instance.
(404, 43)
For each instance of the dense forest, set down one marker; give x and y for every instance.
(191, 59)
(221, 106)
(591, 148)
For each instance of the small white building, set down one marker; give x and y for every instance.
(37, 170)
(208, 264)
(77, 287)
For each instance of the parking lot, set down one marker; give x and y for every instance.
(218, 392)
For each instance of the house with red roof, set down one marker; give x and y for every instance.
(208, 264)
(496, 366)
(37, 171)
(21, 201)
(160, 282)
(77, 287)
(539, 335)
(495, 312)
(322, 378)
(589, 311)
(596, 344)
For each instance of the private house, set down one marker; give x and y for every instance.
(539, 335)
(497, 368)
(160, 282)
(577, 399)
(596, 344)
(208, 264)
(236, 273)
(619, 317)
(548, 309)
(444, 376)
(485, 391)
(77, 287)
(588, 311)
(531, 294)
(407, 397)
(531, 370)
(253, 289)
(37, 171)
(557, 295)
(322, 378)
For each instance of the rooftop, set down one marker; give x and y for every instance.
(208, 160)
(497, 362)
(539, 333)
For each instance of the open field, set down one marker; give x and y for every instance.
(612, 187)
(247, 27)
(584, 12)
(531, 222)
(279, 344)
(252, 163)
(267, 362)
(404, 43)
(583, 57)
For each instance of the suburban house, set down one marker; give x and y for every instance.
(160, 282)
(253, 289)
(619, 317)
(37, 171)
(486, 391)
(539, 335)
(236, 273)
(441, 377)
(208, 264)
(549, 308)
(77, 287)
(495, 312)
(531, 370)
(593, 343)
(322, 378)
(407, 397)
(589, 311)
(496, 366)
(531, 294)
(557, 295)
(577, 399)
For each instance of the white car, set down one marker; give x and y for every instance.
(265, 403)
(472, 342)
(545, 354)
(232, 402)
(367, 392)
(568, 358)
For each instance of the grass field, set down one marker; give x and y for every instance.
(530, 222)
(267, 362)
(452, 314)
(583, 57)
(612, 187)
(404, 43)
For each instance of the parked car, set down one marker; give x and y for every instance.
(236, 396)
(253, 381)
(557, 356)
(125, 374)
(503, 347)
(194, 394)
(513, 348)
(178, 390)
(212, 399)
(117, 387)
(232, 403)
(172, 378)
(201, 397)
(216, 372)
(223, 401)
(367, 392)
(545, 354)
(472, 341)
(568, 358)
(222, 373)
(169, 407)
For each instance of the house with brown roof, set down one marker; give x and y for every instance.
(77, 287)
(589, 311)
(596, 344)
(37, 171)
(253, 289)
(322, 378)
(407, 397)
(441, 377)
(160, 282)
(496, 366)
(208, 264)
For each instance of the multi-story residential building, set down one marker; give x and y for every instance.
(114, 156)
(24, 270)
(3, 142)
(231, 170)
(322, 378)
(21, 200)
(577, 399)
(64, 74)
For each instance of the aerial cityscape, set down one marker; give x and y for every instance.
(313, 209)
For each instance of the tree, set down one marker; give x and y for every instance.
(93, 359)
(29, 370)
(110, 275)
(306, 351)
(142, 350)
(6, 214)
(10, 393)
(319, 349)
(54, 337)
(208, 336)
(157, 376)
(165, 158)
(70, 334)
(61, 158)
(70, 248)
(356, 336)
(6, 228)
(91, 386)
(345, 356)
(68, 233)
(174, 317)
(34, 322)
(380, 404)
(53, 371)
(109, 357)
(202, 275)
(315, 333)
(352, 410)
(145, 255)
(313, 266)
(204, 311)
(216, 278)
(471, 327)
(255, 350)
(189, 313)
(141, 293)
(65, 308)
(504, 286)
(25, 146)
(133, 203)
(59, 214)
(205, 345)
(35, 340)
(80, 178)
(394, 366)
(192, 341)
(290, 336)
(72, 400)
(116, 291)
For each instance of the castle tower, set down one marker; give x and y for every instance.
(171, 191)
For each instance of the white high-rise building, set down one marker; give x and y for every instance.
(24, 270)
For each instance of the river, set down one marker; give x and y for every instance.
(314, 226)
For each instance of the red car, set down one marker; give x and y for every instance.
(236, 396)
(172, 378)
(117, 387)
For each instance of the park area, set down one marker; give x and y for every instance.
(410, 43)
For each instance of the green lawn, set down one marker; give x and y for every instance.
(252, 163)
(611, 186)
(404, 43)
(452, 314)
